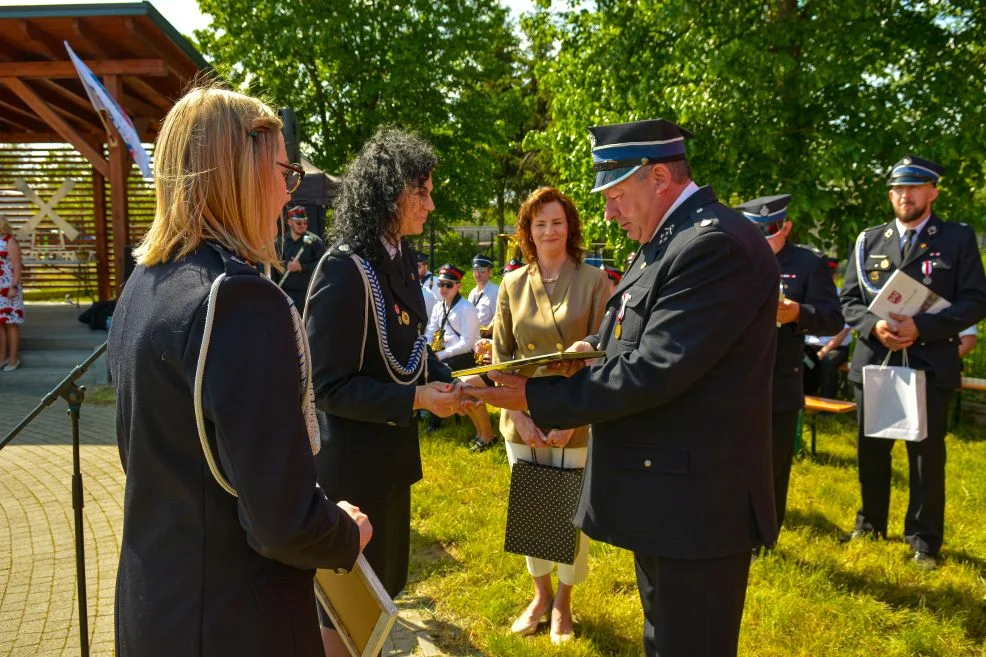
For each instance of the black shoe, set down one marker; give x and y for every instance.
(476, 445)
(925, 561)
(861, 533)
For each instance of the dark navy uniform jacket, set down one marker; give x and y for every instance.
(203, 573)
(952, 254)
(807, 280)
(311, 253)
(368, 430)
(679, 463)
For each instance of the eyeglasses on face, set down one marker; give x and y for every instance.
(446, 284)
(293, 175)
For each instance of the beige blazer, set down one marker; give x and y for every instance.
(530, 322)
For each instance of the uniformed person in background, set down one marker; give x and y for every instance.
(299, 252)
(944, 256)
(483, 296)
(425, 277)
(679, 464)
(808, 304)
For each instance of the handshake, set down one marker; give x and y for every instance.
(445, 399)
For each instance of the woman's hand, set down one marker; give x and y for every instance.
(441, 399)
(570, 367)
(529, 433)
(559, 437)
(361, 520)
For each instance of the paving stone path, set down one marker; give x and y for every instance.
(38, 601)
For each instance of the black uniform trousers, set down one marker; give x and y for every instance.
(924, 523)
(692, 607)
(783, 428)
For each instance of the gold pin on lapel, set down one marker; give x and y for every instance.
(874, 275)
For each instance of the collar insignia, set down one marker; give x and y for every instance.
(932, 230)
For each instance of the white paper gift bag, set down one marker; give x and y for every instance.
(894, 402)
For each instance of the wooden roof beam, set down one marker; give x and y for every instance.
(174, 57)
(90, 39)
(9, 53)
(10, 121)
(149, 93)
(17, 110)
(82, 102)
(65, 69)
(49, 46)
(57, 123)
(27, 137)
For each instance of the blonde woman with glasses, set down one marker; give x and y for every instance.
(223, 520)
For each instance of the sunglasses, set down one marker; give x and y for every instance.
(293, 175)
(446, 284)
(769, 230)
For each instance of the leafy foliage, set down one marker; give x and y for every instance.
(442, 68)
(812, 98)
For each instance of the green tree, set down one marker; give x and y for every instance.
(807, 97)
(437, 67)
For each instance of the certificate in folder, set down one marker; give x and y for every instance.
(358, 605)
(905, 296)
(531, 361)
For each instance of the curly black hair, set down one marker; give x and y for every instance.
(366, 207)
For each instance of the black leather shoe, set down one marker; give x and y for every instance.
(861, 533)
(477, 445)
(925, 561)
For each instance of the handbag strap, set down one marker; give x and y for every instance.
(210, 315)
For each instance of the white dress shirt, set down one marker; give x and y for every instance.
(430, 299)
(461, 329)
(485, 302)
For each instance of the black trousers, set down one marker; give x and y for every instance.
(692, 607)
(823, 378)
(783, 426)
(924, 523)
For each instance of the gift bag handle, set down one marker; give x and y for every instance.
(903, 358)
(534, 457)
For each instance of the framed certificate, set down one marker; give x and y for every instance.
(360, 608)
(531, 360)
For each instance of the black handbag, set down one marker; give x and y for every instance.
(540, 509)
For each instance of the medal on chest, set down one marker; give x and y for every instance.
(402, 317)
(618, 331)
(926, 270)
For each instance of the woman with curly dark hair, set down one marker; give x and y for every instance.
(371, 366)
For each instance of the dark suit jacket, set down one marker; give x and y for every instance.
(203, 573)
(807, 280)
(679, 463)
(288, 248)
(957, 275)
(369, 434)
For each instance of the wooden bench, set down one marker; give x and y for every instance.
(816, 405)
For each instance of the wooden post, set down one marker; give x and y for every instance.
(119, 203)
(102, 247)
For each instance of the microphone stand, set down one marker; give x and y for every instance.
(74, 395)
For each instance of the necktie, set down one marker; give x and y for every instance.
(908, 243)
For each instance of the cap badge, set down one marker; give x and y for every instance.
(906, 160)
(764, 211)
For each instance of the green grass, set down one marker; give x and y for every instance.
(811, 596)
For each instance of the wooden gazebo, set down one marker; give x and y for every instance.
(143, 62)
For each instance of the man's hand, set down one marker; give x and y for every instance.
(889, 338)
(294, 265)
(508, 394)
(570, 367)
(529, 433)
(787, 311)
(441, 399)
(362, 522)
(906, 328)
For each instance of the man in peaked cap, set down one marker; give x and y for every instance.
(944, 256)
(679, 465)
(483, 296)
(299, 251)
(809, 306)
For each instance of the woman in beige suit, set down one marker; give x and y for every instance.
(542, 308)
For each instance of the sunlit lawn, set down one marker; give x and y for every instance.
(811, 596)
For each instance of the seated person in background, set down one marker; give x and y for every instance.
(824, 355)
(452, 332)
(483, 296)
(425, 277)
(967, 341)
(515, 263)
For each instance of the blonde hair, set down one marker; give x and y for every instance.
(212, 168)
(5, 226)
